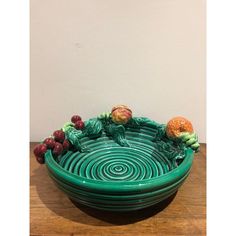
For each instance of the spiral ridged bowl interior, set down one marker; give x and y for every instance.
(111, 177)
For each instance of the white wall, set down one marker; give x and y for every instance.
(87, 56)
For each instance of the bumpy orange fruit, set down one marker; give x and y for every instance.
(178, 125)
(121, 114)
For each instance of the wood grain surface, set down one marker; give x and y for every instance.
(52, 213)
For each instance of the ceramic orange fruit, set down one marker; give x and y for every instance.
(178, 125)
(121, 114)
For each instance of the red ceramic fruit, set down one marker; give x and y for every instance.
(79, 124)
(75, 118)
(58, 149)
(36, 151)
(50, 142)
(59, 136)
(66, 144)
(40, 150)
(40, 160)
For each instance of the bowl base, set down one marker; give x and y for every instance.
(125, 217)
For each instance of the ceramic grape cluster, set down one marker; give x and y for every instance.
(58, 142)
(114, 124)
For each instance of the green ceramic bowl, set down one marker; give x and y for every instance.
(114, 177)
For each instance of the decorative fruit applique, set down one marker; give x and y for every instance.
(78, 123)
(58, 149)
(59, 136)
(178, 125)
(121, 114)
(75, 118)
(58, 142)
(179, 128)
(66, 145)
(50, 143)
(39, 152)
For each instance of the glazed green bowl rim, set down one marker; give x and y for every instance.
(128, 187)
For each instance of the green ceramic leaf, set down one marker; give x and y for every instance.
(93, 128)
(118, 134)
(74, 136)
(104, 116)
(67, 126)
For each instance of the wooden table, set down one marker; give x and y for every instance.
(52, 213)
